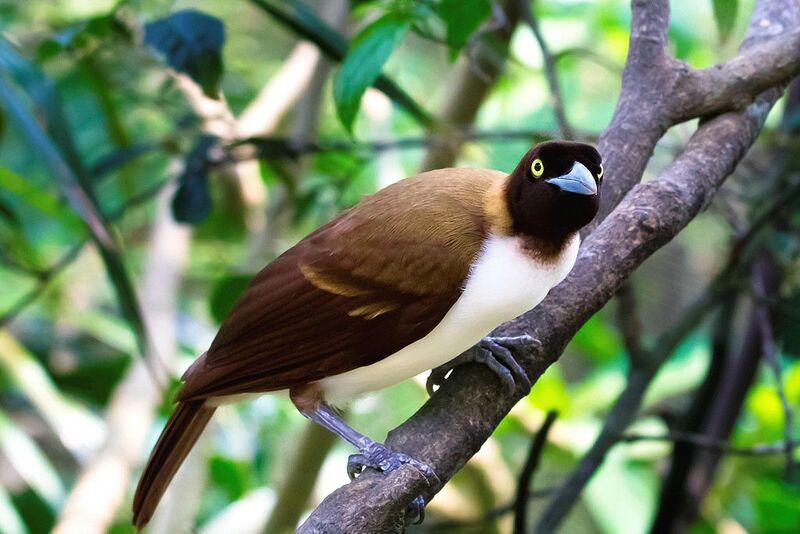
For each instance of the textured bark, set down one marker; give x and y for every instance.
(456, 421)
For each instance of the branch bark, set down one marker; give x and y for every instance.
(454, 423)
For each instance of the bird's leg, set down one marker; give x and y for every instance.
(495, 353)
(371, 453)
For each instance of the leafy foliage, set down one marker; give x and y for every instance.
(364, 62)
(725, 14)
(93, 131)
(192, 42)
(192, 200)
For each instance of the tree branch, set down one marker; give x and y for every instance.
(556, 99)
(769, 353)
(525, 476)
(719, 445)
(462, 414)
(734, 85)
(474, 78)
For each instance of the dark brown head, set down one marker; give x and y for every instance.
(554, 191)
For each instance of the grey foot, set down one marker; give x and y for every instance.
(378, 456)
(495, 353)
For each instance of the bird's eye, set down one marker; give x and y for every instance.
(600, 174)
(537, 167)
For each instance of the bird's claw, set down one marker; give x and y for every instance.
(495, 353)
(380, 457)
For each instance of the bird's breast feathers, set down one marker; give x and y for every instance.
(504, 282)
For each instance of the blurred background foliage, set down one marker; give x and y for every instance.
(155, 154)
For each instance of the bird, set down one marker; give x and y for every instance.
(412, 278)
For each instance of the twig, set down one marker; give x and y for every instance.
(525, 476)
(719, 445)
(617, 420)
(496, 22)
(551, 74)
(44, 278)
(468, 89)
(628, 320)
(789, 196)
(591, 55)
(288, 148)
(672, 500)
(47, 275)
(771, 358)
(491, 515)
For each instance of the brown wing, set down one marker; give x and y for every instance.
(379, 277)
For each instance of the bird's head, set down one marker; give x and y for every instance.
(554, 191)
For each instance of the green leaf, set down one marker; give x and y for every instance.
(192, 201)
(302, 20)
(69, 174)
(725, 14)
(46, 102)
(9, 517)
(39, 199)
(226, 290)
(364, 62)
(462, 18)
(192, 42)
(30, 462)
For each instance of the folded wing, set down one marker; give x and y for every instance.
(379, 277)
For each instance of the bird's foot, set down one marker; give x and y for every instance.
(378, 456)
(495, 353)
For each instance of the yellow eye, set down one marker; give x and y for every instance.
(537, 167)
(600, 174)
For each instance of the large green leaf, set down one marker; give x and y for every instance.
(45, 100)
(225, 292)
(191, 42)
(192, 201)
(462, 18)
(74, 183)
(364, 62)
(9, 517)
(79, 430)
(725, 14)
(302, 20)
(39, 199)
(30, 462)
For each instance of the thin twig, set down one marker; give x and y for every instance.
(288, 148)
(770, 356)
(525, 476)
(706, 442)
(45, 276)
(491, 515)
(628, 320)
(496, 22)
(556, 98)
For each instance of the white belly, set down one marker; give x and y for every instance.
(504, 283)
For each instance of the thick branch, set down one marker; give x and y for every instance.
(734, 85)
(451, 427)
(456, 421)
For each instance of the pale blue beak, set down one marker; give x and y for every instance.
(578, 180)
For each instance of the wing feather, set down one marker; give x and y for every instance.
(379, 277)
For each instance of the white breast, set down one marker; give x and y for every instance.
(504, 282)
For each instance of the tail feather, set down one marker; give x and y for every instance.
(177, 439)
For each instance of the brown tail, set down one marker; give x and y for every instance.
(176, 440)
